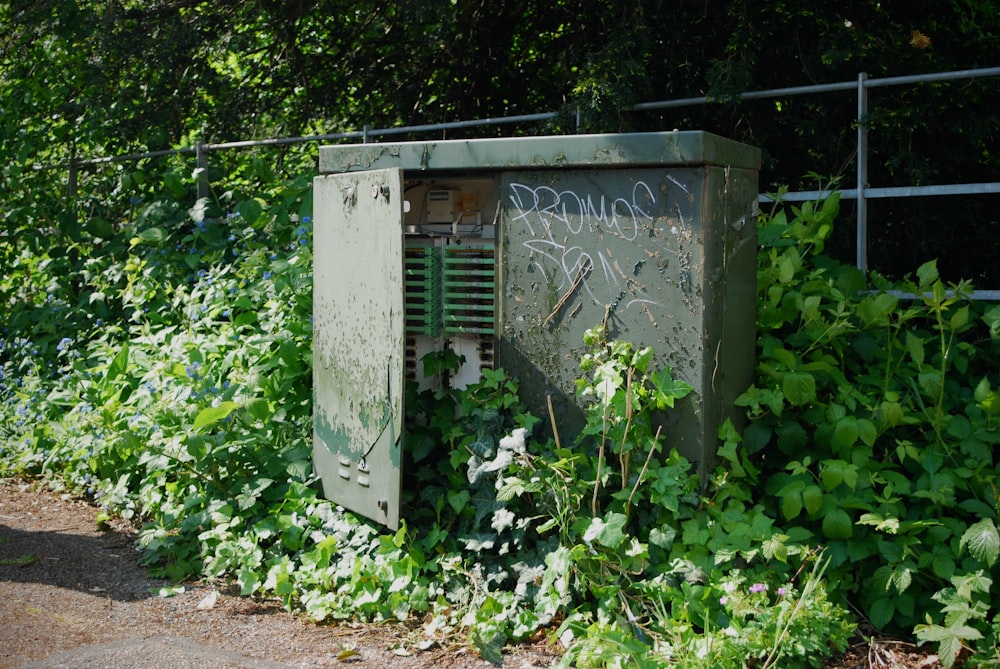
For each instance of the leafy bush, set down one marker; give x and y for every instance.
(874, 426)
(165, 371)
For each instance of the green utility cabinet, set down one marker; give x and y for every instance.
(507, 250)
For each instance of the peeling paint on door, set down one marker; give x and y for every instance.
(358, 340)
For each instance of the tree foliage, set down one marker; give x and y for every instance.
(80, 78)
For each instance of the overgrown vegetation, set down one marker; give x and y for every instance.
(875, 428)
(161, 365)
(73, 86)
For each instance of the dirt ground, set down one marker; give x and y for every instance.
(67, 586)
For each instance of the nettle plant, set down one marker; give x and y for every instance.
(875, 421)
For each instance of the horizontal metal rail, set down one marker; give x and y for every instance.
(861, 193)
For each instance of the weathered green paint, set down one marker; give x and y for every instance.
(664, 256)
(358, 340)
(626, 150)
(652, 233)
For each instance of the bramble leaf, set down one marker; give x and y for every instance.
(983, 541)
(799, 387)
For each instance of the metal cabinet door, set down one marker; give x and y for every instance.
(358, 320)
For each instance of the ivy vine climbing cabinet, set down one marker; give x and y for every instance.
(506, 251)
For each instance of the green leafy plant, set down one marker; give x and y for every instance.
(966, 605)
(646, 560)
(874, 415)
(181, 396)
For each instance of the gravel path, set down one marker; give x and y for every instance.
(72, 595)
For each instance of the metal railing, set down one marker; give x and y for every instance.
(862, 192)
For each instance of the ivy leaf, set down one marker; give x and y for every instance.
(983, 541)
(168, 591)
(248, 580)
(490, 645)
(608, 532)
(668, 388)
(663, 536)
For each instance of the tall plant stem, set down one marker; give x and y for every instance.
(600, 463)
(552, 419)
(642, 472)
(623, 455)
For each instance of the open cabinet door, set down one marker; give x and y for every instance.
(358, 348)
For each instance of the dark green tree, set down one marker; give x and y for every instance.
(84, 78)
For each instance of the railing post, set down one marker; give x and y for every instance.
(201, 159)
(71, 181)
(862, 182)
(364, 133)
